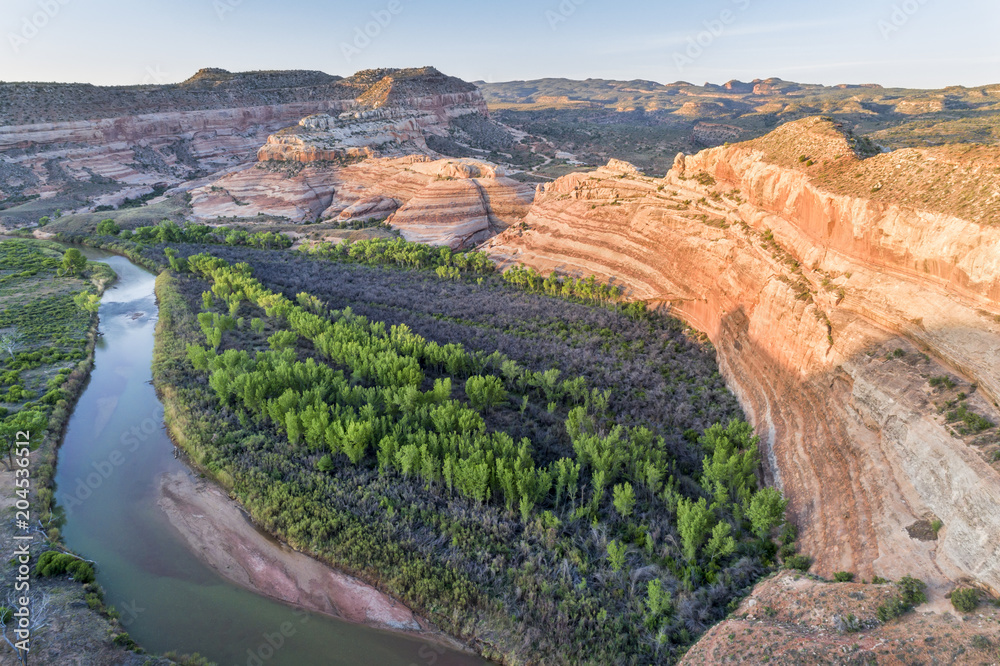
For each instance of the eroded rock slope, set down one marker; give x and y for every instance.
(91, 148)
(855, 306)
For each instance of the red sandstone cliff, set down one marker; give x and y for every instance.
(809, 268)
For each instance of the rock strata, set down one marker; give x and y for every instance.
(831, 312)
(458, 203)
(95, 146)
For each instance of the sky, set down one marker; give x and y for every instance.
(897, 43)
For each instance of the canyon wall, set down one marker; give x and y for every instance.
(454, 202)
(373, 163)
(397, 129)
(830, 314)
(180, 137)
(161, 148)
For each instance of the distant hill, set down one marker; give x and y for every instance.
(647, 122)
(210, 88)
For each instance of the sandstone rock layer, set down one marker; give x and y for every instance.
(451, 202)
(830, 313)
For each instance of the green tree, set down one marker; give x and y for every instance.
(624, 499)
(722, 544)
(108, 228)
(694, 520)
(485, 393)
(358, 438)
(178, 265)
(912, 590)
(567, 479)
(766, 511)
(87, 301)
(965, 600)
(730, 468)
(659, 603)
(283, 340)
(616, 555)
(73, 263)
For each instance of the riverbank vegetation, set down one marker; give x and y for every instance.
(47, 321)
(48, 329)
(554, 480)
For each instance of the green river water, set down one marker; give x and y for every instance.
(114, 453)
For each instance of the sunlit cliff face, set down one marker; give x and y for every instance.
(807, 295)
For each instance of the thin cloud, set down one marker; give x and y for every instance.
(675, 39)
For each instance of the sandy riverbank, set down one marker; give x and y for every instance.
(217, 529)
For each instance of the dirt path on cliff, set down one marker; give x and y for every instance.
(220, 533)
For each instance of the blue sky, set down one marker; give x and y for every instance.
(911, 43)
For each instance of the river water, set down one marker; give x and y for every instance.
(109, 467)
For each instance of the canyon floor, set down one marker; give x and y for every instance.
(852, 294)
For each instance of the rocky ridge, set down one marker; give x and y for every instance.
(831, 314)
(806, 621)
(455, 202)
(87, 147)
(375, 164)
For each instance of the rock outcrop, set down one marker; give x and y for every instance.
(793, 619)
(454, 202)
(374, 163)
(833, 291)
(95, 146)
(382, 132)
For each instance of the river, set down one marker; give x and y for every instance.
(109, 468)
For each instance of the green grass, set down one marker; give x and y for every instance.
(128, 217)
(52, 330)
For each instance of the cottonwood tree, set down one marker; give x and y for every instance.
(73, 263)
(11, 340)
(766, 511)
(694, 522)
(624, 499)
